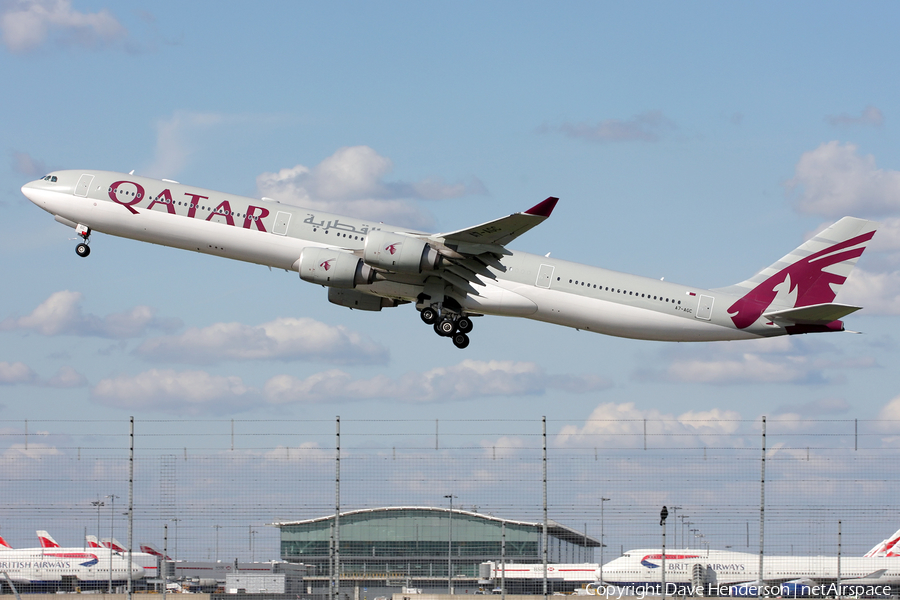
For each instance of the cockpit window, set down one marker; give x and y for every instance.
(50, 178)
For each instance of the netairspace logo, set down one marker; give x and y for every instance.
(745, 590)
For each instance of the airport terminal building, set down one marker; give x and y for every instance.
(417, 545)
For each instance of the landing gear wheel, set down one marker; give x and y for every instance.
(82, 250)
(464, 324)
(445, 327)
(429, 315)
(460, 340)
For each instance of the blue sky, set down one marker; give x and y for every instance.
(695, 141)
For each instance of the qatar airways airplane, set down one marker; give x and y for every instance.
(454, 276)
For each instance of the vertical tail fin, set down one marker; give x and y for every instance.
(46, 540)
(4, 545)
(153, 550)
(92, 541)
(112, 544)
(811, 275)
(886, 547)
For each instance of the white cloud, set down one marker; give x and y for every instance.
(281, 339)
(25, 164)
(17, 372)
(780, 360)
(32, 450)
(622, 425)
(870, 116)
(747, 368)
(25, 25)
(888, 419)
(67, 377)
(890, 411)
(198, 392)
(306, 451)
(352, 181)
(834, 181)
(184, 392)
(467, 380)
(887, 238)
(878, 293)
(61, 314)
(814, 409)
(645, 127)
(176, 140)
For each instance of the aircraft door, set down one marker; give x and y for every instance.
(704, 307)
(544, 276)
(282, 220)
(84, 185)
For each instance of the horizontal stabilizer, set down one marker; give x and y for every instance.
(816, 314)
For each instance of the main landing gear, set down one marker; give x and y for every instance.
(83, 249)
(451, 325)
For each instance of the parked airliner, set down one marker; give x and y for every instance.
(454, 276)
(54, 564)
(722, 569)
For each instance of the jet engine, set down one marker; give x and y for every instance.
(400, 253)
(334, 268)
(359, 300)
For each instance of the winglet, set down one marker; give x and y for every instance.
(543, 209)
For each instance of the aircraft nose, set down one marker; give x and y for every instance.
(29, 189)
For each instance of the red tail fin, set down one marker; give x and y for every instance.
(46, 540)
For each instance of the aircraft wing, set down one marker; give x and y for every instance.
(873, 575)
(499, 232)
(816, 314)
(469, 252)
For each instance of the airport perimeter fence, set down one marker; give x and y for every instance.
(217, 486)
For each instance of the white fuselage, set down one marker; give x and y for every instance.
(39, 565)
(273, 234)
(637, 567)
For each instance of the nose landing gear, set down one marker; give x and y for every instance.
(84, 232)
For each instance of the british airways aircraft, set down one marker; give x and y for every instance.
(51, 564)
(454, 276)
(733, 573)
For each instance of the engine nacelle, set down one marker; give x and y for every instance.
(334, 268)
(358, 300)
(400, 253)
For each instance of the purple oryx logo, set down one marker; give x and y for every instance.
(805, 280)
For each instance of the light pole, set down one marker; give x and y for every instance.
(675, 510)
(603, 502)
(99, 504)
(683, 518)
(218, 527)
(252, 533)
(450, 546)
(662, 523)
(175, 544)
(112, 535)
